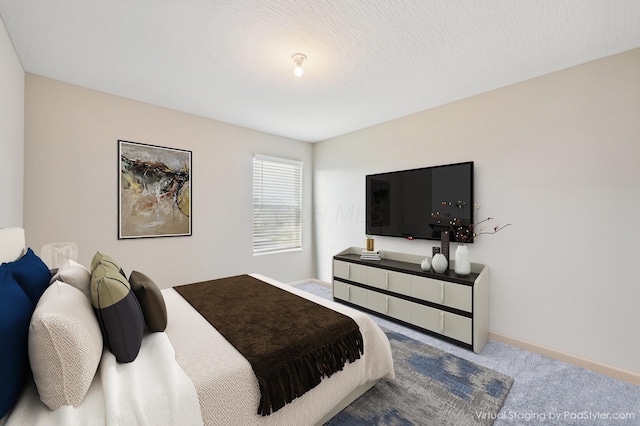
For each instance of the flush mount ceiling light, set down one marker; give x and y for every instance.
(298, 58)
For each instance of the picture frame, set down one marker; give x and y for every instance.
(154, 191)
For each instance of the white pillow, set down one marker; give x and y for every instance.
(76, 275)
(65, 345)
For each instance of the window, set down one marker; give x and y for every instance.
(277, 204)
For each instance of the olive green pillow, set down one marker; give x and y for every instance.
(100, 258)
(118, 311)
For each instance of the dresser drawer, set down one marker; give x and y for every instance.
(350, 293)
(395, 282)
(451, 325)
(341, 269)
(350, 271)
(427, 289)
(458, 327)
(378, 278)
(453, 295)
(340, 290)
(458, 296)
(400, 283)
(389, 305)
(426, 317)
(358, 273)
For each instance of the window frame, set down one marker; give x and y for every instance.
(271, 203)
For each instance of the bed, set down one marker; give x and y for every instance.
(190, 374)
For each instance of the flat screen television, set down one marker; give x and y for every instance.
(420, 203)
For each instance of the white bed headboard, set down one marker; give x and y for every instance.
(11, 244)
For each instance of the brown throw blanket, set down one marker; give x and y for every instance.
(291, 342)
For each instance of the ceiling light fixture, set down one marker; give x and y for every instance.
(298, 58)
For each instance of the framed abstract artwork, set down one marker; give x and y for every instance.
(154, 191)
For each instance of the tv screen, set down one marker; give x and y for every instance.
(420, 203)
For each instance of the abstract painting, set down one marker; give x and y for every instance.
(154, 188)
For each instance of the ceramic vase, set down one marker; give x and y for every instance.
(439, 263)
(462, 265)
(426, 264)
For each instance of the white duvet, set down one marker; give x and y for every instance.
(190, 374)
(152, 390)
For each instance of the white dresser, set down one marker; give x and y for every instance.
(453, 307)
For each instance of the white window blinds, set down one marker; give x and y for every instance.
(277, 204)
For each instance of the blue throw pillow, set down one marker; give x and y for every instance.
(15, 314)
(32, 274)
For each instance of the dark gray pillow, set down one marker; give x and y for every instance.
(151, 301)
(117, 309)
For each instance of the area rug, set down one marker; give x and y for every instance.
(432, 387)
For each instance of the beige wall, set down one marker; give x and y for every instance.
(71, 167)
(11, 132)
(559, 157)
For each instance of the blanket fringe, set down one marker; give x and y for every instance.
(294, 378)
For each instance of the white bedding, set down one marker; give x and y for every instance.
(227, 387)
(211, 381)
(152, 390)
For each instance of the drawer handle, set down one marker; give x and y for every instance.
(348, 270)
(348, 292)
(441, 322)
(441, 293)
(386, 279)
(386, 309)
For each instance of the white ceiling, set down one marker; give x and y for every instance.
(369, 61)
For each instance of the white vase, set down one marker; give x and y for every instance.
(439, 263)
(426, 264)
(462, 265)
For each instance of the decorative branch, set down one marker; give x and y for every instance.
(463, 234)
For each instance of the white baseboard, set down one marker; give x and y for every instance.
(607, 370)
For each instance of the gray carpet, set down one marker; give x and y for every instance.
(431, 387)
(545, 391)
